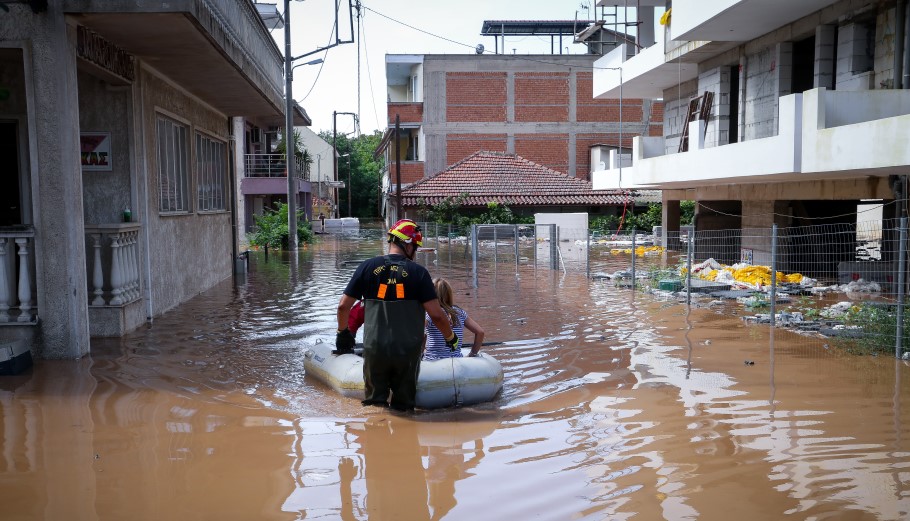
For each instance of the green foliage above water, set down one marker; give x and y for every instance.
(271, 229)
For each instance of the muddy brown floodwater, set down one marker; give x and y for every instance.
(615, 406)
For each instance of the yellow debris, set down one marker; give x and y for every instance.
(754, 275)
(640, 251)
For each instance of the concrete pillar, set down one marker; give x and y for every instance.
(57, 188)
(824, 56)
(646, 27)
(669, 222)
(238, 126)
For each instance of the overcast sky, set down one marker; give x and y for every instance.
(332, 85)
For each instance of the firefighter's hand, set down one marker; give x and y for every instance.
(344, 342)
(453, 342)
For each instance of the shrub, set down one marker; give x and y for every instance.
(271, 228)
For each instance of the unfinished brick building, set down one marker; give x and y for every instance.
(540, 107)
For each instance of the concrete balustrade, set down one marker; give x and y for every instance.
(113, 263)
(17, 261)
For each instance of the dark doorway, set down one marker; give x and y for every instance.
(10, 197)
(803, 65)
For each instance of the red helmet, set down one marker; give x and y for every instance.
(406, 230)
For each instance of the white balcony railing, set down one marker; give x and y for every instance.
(113, 263)
(17, 261)
(271, 165)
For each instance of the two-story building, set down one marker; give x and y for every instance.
(123, 124)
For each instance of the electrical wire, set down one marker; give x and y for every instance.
(874, 208)
(325, 55)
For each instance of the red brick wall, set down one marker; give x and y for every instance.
(541, 96)
(549, 150)
(589, 109)
(408, 112)
(657, 119)
(411, 172)
(475, 96)
(460, 146)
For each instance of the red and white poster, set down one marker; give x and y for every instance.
(96, 151)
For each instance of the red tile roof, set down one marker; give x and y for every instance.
(510, 180)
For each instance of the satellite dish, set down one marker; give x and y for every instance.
(479, 48)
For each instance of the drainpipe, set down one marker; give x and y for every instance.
(899, 16)
(232, 147)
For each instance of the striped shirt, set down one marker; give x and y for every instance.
(436, 345)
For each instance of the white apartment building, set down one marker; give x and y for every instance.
(800, 110)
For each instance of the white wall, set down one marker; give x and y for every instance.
(572, 226)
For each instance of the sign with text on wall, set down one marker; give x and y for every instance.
(746, 255)
(96, 151)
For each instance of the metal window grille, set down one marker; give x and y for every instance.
(211, 172)
(173, 169)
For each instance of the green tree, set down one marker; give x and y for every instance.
(304, 158)
(362, 170)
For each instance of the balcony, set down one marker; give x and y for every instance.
(218, 50)
(409, 114)
(821, 135)
(113, 267)
(265, 174)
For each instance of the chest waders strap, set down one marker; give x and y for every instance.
(391, 271)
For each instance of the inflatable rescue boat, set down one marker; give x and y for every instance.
(441, 383)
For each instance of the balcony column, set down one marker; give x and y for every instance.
(134, 264)
(4, 283)
(97, 272)
(116, 270)
(25, 282)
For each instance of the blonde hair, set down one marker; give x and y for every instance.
(446, 298)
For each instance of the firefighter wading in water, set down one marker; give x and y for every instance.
(396, 292)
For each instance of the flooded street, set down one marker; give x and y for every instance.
(615, 406)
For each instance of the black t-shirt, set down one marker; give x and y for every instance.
(391, 270)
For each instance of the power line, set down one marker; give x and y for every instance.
(319, 72)
(416, 28)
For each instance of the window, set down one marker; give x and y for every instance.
(172, 166)
(211, 174)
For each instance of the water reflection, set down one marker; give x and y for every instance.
(615, 406)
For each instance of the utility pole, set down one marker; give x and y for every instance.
(398, 166)
(289, 130)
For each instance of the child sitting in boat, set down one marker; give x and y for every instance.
(435, 347)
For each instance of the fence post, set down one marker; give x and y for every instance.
(633, 259)
(474, 252)
(554, 244)
(901, 282)
(689, 248)
(515, 235)
(495, 245)
(588, 252)
(535, 245)
(773, 273)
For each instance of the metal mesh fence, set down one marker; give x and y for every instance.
(845, 283)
